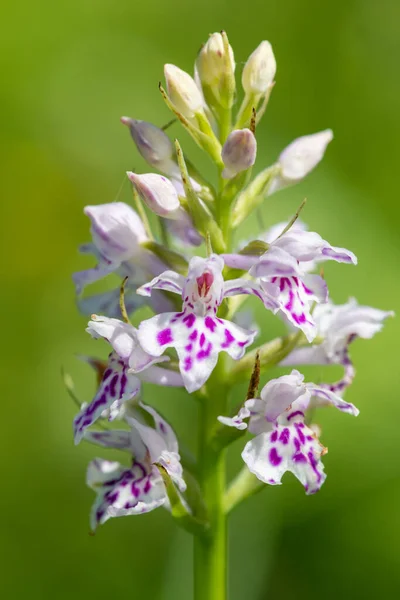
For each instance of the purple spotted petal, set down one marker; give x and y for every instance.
(197, 340)
(116, 387)
(322, 395)
(296, 300)
(291, 448)
(237, 287)
(122, 491)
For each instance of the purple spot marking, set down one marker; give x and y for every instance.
(187, 363)
(301, 435)
(124, 380)
(274, 457)
(189, 320)
(164, 336)
(285, 436)
(210, 324)
(113, 384)
(202, 340)
(147, 486)
(299, 457)
(205, 353)
(295, 414)
(111, 498)
(274, 436)
(193, 335)
(289, 305)
(229, 339)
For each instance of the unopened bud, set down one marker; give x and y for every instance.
(116, 230)
(183, 91)
(216, 69)
(157, 192)
(154, 145)
(303, 154)
(299, 158)
(239, 152)
(259, 71)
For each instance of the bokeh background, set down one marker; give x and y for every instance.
(69, 71)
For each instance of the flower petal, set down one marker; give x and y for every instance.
(309, 245)
(116, 387)
(167, 281)
(321, 396)
(279, 394)
(294, 449)
(276, 262)
(197, 340)
(108, 303)
(124, 341)
(236, 287)
(112, 438)
(123, 491)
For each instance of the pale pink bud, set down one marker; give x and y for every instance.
(154, 145)
(303, 154)
(157, 192)
(239, 152)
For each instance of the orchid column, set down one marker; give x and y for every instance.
(174, 252)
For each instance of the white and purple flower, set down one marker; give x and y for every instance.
(283, 273)
(283, 442)
(338, 326)
(138, 489)
(196, 333)
(128, 365)
(118, 234)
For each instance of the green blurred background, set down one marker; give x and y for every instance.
(69, 71)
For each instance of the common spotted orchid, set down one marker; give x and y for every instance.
(128, 364)
(137, 489)
(197, 333)
(338, 326)
(283, 442)
(283, 273)
(118, 235)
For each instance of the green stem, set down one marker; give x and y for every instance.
(210, 551)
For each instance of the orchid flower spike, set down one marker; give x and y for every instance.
(283, 442)
(138, 489)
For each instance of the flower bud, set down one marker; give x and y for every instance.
(183, 91)
(299, 158)
(303, 154)
(116, 230)
(154, 145)
(157, 192)
(259, 70)
(215, 66)
(239, 152)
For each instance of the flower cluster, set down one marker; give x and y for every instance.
(195, 294)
